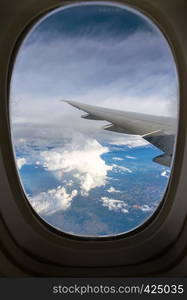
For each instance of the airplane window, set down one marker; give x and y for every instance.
(93, 109)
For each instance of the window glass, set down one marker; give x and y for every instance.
(93, 108)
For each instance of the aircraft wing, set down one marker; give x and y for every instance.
(158, 130)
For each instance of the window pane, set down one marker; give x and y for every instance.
(97, 164)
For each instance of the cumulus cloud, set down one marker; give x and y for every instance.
(115, 205)
(113, 190)
(21, 162)
(52, 201)
(82, 158)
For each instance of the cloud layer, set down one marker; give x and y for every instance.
(134, 72)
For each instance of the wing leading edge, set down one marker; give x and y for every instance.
(157, 130)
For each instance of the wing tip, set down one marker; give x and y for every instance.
(66, 101)
(74, 104)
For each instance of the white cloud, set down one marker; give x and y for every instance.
(21, 162)
(130, 157)
(117, 158)
(144, 208)
(131, 141)
(121, 168)
(113, 190)
(115, 205)
(68, 182)
(166, 173)
(83, 159)
(52, 201)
